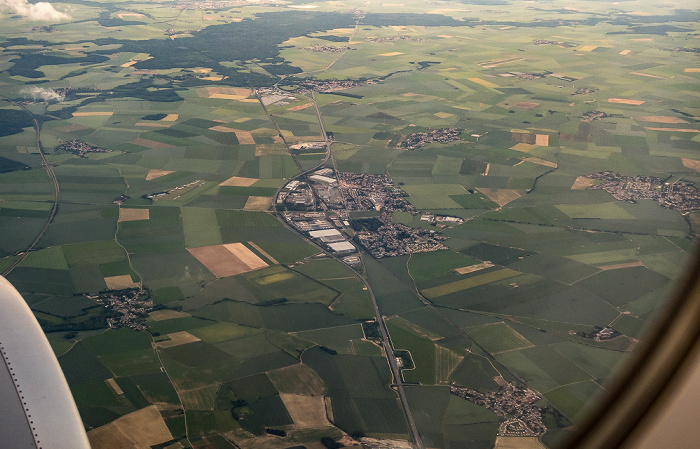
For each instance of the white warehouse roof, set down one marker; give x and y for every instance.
(324, 233)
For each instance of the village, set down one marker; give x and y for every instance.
(80, 148)
(128, 307)
(679, 195)
(517, 405)
(417, 140)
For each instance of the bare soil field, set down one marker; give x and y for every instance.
(237, 181)
(500, 196)
(156, 173)
(307, 412)
(227, 260)
(133, 214)
(625, 101)
(120, 282)
(140, 429)
(473, 268)
(582, 183)
(177, 339)
(167, 314)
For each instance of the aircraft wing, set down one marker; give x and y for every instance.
(37, 410)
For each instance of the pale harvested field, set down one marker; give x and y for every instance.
(120, 282)
(691, 163)
(133, 214)
(524, 147)
(222, 129)
(156, 173)
(93, 113)
(661, 119)
(259, 203)
(582, 183)
(647, 75)
(140, 429)
(70, 128)
(129, 14)
(393, 53)
(692, 70)
(153, 124)
(170, 118)
(443, 114)
(588, 48)
(625, 101)
(527, 105)
(151, 144)
(678, 130)
(625, 52)
(262, 251)
(542, 140)
(538, 161)
(229, 91)
(237, 181)
(518, 443)
(473, 268)
(213, 78)
(247, 256)
(245, 137)
(500, 196)
(300, 107)
(307, 412)
(167, 314)
(227, 260)
(617, 266)
(177, 339)
(113, 385)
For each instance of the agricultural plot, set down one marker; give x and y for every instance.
(174, 195)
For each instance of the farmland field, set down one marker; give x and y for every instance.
(540, 177)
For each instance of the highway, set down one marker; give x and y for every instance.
(54, 181)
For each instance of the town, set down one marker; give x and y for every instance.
(417, 140)
(517, 405)
(679, 195)
(327, 49)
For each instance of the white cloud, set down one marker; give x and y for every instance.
(37, 11)
(38, 93)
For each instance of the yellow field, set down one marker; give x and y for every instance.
(227, 260)
(120, 282)
(155, 173)
(443, 114)
(692, 70)
(524, 147)
(170, 118)
(261, 251)
(307, 412)
(300, 107)
(542, 140)
(247, 256)
(393, 53)
(587, 48)
(625, 52)
(260, 203)
(678, 130)
(133, 214)
(582, 183)
(140, 429)
(113, 385)
(518, 443)
(621, 265)
(625, 101)
(91, 114)
(465, 284)
(473, 268)
(237, 181)
(500, 196)
(245, 137)
(483, 82)
(273, 278)
(177, 339)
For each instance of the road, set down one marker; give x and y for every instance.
(54, 181)
(386, 343)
